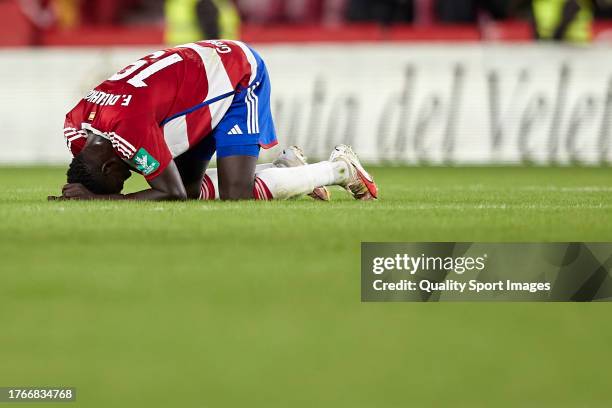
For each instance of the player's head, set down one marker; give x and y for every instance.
(98, 168)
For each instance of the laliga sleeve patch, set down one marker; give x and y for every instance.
(144, 162)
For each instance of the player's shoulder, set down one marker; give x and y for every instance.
(227, 49)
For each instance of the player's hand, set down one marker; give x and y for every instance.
(76, 191)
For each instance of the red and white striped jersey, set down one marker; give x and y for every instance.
(164, 103)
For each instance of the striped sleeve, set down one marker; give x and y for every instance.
(74, 137)
(140, 142)
(124, 148)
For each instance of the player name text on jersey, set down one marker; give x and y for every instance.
(106, 99)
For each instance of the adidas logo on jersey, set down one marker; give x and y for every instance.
(235, 131)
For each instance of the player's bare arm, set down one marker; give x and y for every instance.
(164, 187)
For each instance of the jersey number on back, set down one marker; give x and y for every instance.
(138, 80)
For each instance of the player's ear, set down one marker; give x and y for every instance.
(108, 167)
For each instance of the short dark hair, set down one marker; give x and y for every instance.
(81, 172)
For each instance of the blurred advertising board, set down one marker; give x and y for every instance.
(413, 104)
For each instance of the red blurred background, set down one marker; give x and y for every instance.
(141, 22)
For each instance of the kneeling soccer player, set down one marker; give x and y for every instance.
(165, 115)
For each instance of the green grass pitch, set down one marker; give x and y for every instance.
(257, 304)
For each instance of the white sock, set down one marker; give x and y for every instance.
(291, 182)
